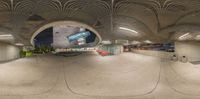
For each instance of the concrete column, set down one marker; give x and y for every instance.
(8, 52)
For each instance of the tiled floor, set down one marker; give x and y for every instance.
(90, 76)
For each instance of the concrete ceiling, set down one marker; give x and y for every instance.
(155, 20)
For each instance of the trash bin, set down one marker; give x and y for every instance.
(184, 59)
(174, 58)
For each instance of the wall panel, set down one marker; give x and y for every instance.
(8, 52)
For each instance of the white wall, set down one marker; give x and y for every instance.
(189, 49)
(8, 52)
(161, 54)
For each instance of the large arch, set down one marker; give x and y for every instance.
(66, 22)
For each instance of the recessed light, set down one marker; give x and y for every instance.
(127, 29)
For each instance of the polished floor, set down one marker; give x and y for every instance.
(90, 76)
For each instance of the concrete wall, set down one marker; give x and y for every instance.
(189, 49)
(161, 54)
(8, 52)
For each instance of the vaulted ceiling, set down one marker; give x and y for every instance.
(156, 20)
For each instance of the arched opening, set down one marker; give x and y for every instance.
(66, 34)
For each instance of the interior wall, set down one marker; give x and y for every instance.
(189, 49)
(161, 54)
(8, 52)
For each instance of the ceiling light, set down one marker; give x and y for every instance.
(106, 42)
(147, 41)
(135, 42)
(127, 43)
(127, 29)
(197, 37)
(6, 35)
(121, 41)
(19, 44)
(184, 36)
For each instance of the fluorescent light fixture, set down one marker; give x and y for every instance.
(135, 42)
(184, 36)
(147, 41)
(19, 44)
(106, 42)
(121, 41)
(5, 35)
(197, 37)
(127, 29)
(127, 43)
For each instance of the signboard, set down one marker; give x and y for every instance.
(77, 36)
